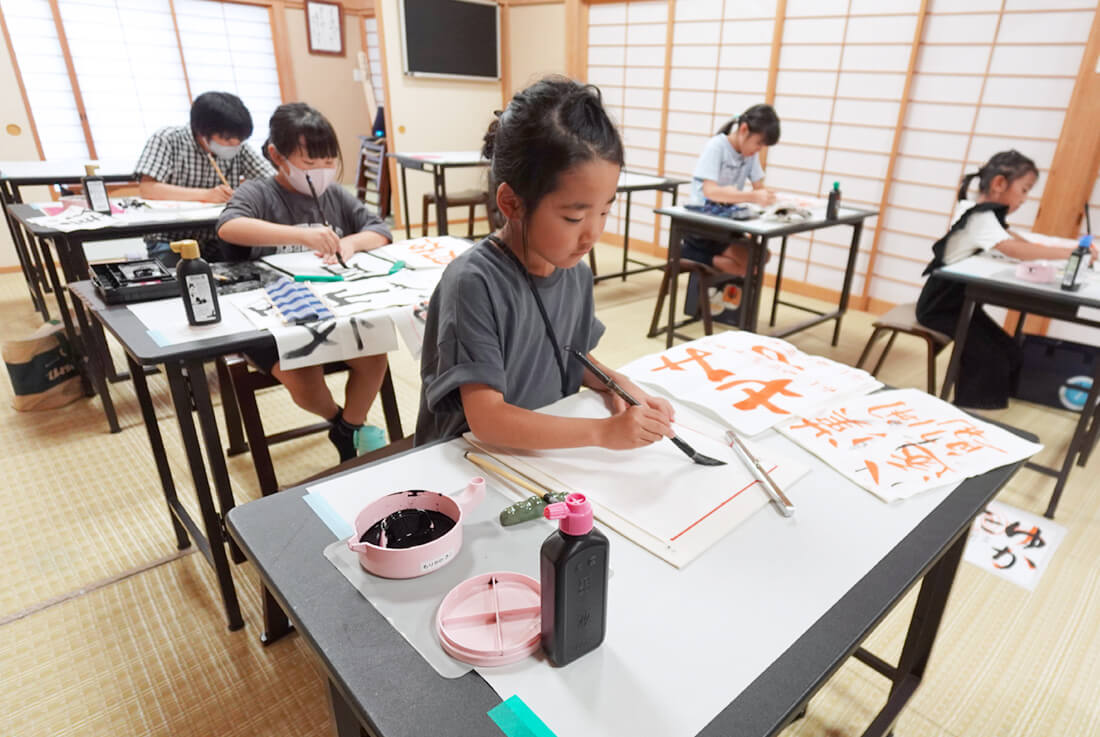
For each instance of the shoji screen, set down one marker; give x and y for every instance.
(990, 76)
(129, 70)
(42, 66)
(228, 47)
(841, 74)
(719, 67)
(626, 60)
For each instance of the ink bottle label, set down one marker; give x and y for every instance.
(200, 294)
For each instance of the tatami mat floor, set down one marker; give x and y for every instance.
(105, 628)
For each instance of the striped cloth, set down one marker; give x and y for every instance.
(296, 302)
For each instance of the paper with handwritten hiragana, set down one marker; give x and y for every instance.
(901, 442)
(751, 382)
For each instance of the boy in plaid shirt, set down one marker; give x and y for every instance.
(176, 165)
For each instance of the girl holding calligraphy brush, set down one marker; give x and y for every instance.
(506, 311)
(991, 358)
(303, 207)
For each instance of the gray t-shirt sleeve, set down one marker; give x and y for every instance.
(248, 202)
(709, 165)
(468, 349)
(756, 172)
(357, 217)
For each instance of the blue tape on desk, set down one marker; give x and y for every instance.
(516, 719)
(328, 515)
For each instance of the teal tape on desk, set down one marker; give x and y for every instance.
(516, 719)
(328, 515)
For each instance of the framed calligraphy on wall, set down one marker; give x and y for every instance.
(325, 27)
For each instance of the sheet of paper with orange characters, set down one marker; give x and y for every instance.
(425, 253)
(751, 382)
(901, 442)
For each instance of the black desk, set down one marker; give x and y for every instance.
(629, 183)
(74, 267)
(187, 391)
(436, 164)
(16, 174)
(378, 681)
(184, 365)
(992, 282)
(685, 222)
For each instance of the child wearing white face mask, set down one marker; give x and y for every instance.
(268, 215)
(176, 164)
(281, 213)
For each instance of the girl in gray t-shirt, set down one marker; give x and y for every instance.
(504, 312)
(266, 215)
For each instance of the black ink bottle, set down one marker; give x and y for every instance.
(573, 571)
(200, 297)
(832, 208)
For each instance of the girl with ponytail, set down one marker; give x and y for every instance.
(505, 312)
(991, 358)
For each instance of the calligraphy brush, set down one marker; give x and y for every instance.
(317, 201)
(218, 170)
(702, 460)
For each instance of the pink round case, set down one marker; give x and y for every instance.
(491, 619)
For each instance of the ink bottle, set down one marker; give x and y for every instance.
(200, 297)
(832, 208)
(573, 569)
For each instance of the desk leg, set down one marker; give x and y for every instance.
(626, 235)
(917, 649)
(98, 358)
(156, 443)
(439, 174)
(347, 724)
(66, 318)
(1082, 440)
(962, 327)
(750, 296)
(673, 268)
(212, 522)
(405, 200)
(778, 279)
(849, 271)
(208, 423)
(276, 623)
(31, 273)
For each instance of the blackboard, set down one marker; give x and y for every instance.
(451, 37)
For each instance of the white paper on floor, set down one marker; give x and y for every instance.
(1015, 545)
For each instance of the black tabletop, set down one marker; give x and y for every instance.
(1006, 282)
(392, 688)
(765, 228)
(23, 213)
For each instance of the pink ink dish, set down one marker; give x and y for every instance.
(411, 533)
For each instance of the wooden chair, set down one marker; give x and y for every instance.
(903, 319)
(372, 176)
(470, 198)
(708, 277)
(240, 381)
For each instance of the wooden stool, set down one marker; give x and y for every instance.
(708, 277)
(903, 319)
(469, 198)
(245, 380)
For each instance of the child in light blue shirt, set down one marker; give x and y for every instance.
(729, 159)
